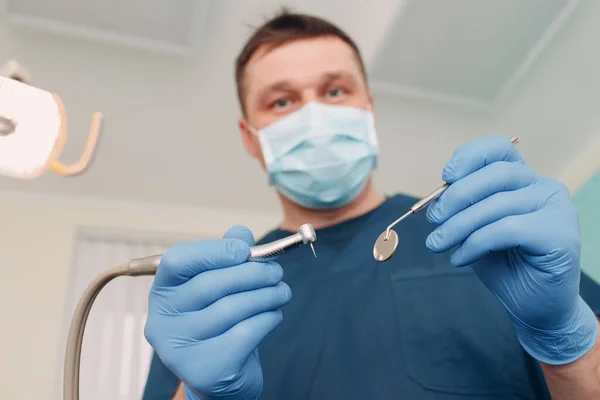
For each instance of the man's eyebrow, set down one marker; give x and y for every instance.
(287, 85)
(331, 76)
(282, 85)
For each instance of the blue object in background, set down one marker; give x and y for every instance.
(587, 202)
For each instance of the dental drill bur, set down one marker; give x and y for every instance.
(386, 244)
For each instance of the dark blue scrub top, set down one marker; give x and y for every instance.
(413, 327)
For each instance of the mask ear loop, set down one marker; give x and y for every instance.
(264, 145)
(83, 163)
(373, 133)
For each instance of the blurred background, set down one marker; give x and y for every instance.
(170, 165)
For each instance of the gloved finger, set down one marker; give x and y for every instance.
(240, 232)
(491, 209)
(527, 232)
(208, 287)
(245, 336)
(184, 261)
(494, 178)
(472, 156)
(230, 310)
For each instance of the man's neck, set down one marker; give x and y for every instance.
(295, 215)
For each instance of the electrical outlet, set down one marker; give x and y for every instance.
(14, 70)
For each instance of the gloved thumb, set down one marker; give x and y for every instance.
(240, 232)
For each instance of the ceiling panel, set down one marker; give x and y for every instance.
(464, 49)
(161, 23)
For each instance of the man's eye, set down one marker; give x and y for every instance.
(280, 103)
(335, 92)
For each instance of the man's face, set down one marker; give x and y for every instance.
(282, 80)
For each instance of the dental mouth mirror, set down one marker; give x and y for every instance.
(386, 244)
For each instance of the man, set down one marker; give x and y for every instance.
(504, 316)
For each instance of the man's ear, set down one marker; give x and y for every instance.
(371, 102)
(249, 139)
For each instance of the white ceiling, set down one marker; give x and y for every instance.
(468, 50)
(168, 26)
(163, 76)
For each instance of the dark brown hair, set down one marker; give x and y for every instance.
(284, 28)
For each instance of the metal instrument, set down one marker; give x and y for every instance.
(269, 251)
(386, 244)
(148, 266)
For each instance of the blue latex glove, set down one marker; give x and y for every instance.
(208, 311)
(520, 233)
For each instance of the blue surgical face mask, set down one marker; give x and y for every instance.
(320, 156)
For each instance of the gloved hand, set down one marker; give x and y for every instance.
(209, 309)
(520, 232)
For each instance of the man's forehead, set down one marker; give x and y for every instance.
(300, 60)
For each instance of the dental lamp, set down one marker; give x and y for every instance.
(33, 132)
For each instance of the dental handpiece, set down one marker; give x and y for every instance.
(305, 235)
(269, 251)
(148, 266)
